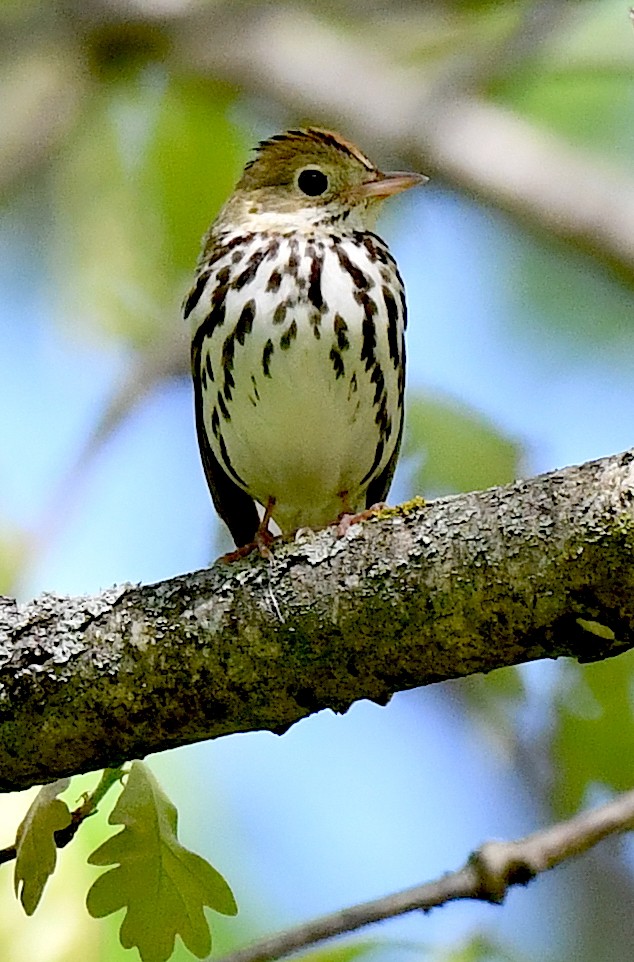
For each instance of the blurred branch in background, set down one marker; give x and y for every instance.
(42, 92)
(296, 58)
(165, 359)
(487, 876)
(423, 84)
(384, 82)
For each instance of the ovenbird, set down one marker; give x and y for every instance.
(298, 316)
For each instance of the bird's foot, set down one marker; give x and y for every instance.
(263, 538)
(345, 521)
(241, 552)
(261, 542)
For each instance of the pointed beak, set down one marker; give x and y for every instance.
(384, 185)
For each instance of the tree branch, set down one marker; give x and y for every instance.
(487, 876)
(536, 569)
(362, 81)
(319, 71)
(42, 92)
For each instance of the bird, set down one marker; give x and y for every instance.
(298, 316)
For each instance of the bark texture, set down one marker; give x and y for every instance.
(425, 592)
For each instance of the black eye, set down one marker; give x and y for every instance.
(312, 182)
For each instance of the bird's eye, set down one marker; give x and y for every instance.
(312, 181)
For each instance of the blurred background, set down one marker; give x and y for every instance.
(123, 127)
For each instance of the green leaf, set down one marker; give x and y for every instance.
(35, 843)
(162, 885)
(137, 184)
(339, 953)
(593, 740)
(457, 449)
(477, 948)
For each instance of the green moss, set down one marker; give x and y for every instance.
(596, 628)
(400, 510)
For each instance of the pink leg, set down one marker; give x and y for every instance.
(263, 538)
(346, 520)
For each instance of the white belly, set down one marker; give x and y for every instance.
(303, 406)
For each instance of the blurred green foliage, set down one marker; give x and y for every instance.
(13, 555)
(455, 449)
(578, 83)
(135, 187)
(340, 953)
(593, 733)
(478, 948)
(149, 156)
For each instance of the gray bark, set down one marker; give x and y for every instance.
(425, 592)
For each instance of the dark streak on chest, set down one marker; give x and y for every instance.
(392, 326)
(214, 251)
(340, 329)
(288, 336)
(360, 279)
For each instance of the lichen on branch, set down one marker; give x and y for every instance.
(536, 569)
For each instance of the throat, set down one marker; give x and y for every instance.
(259, 218)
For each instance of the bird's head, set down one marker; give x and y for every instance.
(311, 177)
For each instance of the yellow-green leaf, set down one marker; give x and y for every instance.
(137, 185)
(593, 738)
(163, 886)
(477, 948)
(36, 851)
(340, 953)
(457, 448)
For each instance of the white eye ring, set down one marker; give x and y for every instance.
(312, 181)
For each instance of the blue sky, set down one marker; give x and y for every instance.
(320, 813)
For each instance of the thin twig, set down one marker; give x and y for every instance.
(486, 876)
(88, 807)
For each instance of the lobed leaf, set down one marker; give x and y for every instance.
(36, 850)
(163, 886)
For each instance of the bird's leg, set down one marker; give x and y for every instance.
(346, 520)
(263, 538)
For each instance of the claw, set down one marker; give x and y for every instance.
(263, 538)
(345, 521)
